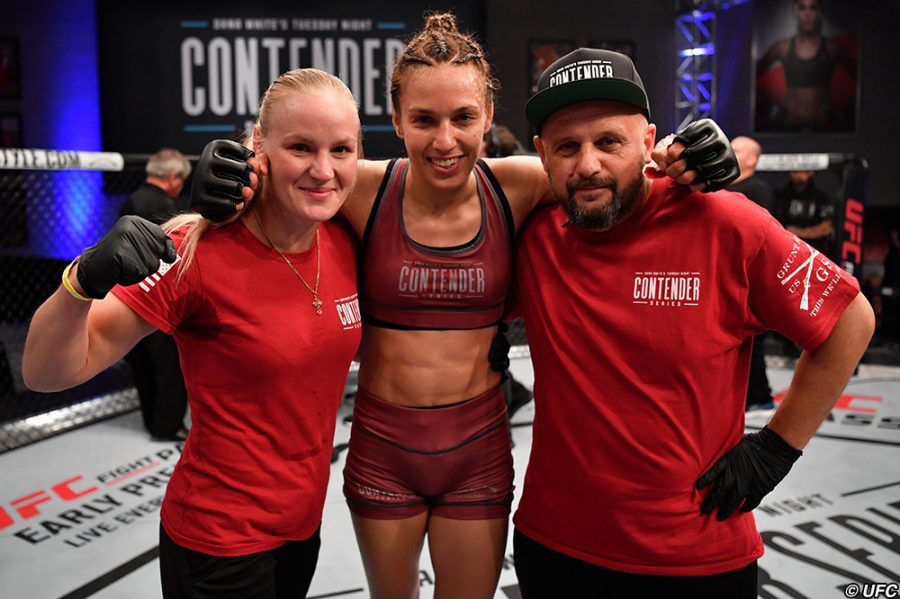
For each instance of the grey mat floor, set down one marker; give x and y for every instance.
(95, 494)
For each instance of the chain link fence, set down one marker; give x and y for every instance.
(46, 218)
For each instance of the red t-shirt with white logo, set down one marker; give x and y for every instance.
(265, 375)
(641, 338)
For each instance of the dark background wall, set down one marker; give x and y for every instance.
(57, 60)
(879, 119)
(650, 24)
(58, 52)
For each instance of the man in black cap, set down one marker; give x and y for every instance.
(641, 299)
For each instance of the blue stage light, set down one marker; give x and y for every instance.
(76, 214)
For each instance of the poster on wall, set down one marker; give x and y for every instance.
(806, 66)
(625, 47)
(9, 68)
(543, 53)
(192, 72)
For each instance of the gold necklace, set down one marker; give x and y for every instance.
(317, 303)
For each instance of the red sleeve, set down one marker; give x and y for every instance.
(796, 290)
(162, 299)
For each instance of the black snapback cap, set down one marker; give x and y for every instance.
(586, 74)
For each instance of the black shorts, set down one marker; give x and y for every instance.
(279, 573)
(544, 573)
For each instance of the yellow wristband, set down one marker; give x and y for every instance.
(68, 285)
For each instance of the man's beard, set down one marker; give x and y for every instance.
(611, 213)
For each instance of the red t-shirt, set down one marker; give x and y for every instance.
(641, 338)
(264, 375)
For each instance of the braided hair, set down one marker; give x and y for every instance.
(441, 42)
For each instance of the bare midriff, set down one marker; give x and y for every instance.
(806, 105)
(426, 368)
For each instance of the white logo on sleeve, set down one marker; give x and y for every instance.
(795, 276)
(148, 283)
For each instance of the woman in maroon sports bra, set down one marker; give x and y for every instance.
(429, 450)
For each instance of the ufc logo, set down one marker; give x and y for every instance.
(851, 249)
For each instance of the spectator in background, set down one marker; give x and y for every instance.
(499, 141)
(157, 197)
(806, 211)
(747, 151)
(890, 284)
(892, 260)
(154, 360)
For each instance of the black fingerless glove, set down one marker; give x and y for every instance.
(127, 254)
(708, 151)
(221, 174)
(747, 473)
(498, 355)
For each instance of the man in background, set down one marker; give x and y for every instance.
(747, 151)
(154, 360)
(806, 210)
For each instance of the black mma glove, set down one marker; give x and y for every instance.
(221, 174)
(127, 254)
(498, 355)
(708, 151)
(747, 473)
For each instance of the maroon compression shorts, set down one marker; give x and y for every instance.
(454, 460)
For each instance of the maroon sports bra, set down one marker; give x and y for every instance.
(406, 285)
